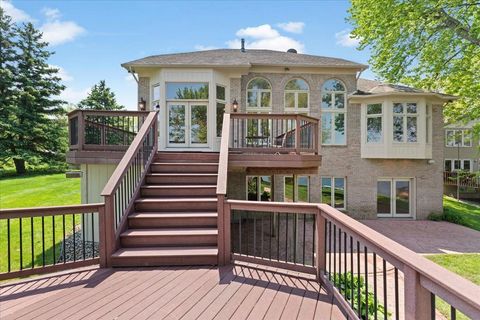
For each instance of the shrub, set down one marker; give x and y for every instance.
(447, 215)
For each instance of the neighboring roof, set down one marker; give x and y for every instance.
(237, 58)
(372, 88)
(468, 125)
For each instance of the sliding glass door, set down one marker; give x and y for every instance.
(394, 198)
(187, 124)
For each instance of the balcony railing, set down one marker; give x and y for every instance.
(461, 178)
(92, 130)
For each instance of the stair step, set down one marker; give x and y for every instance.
(172, 219)
(179, 190)
(181, 178)
(176, 204)
(169, 237)
(178, 167)
(186, 156)
(161, 256)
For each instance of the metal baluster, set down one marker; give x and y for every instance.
(20, 234)
(240, 232)
(286, 236)
(93, 236)
(254, 235)
(339, 260)
(432, 306)
(375, 306)
(64, 246)
(248, 231)
(83, 235)
(8, 246)
(334, 255)
(366, 279)
(330, 250)
(295, 217)
(453, 313)
(351, 273)
(278, 236)
(32, 243)
(43, 241)
(359, 305)
(74, 241)
(385, 302)
(53, 241)
(397, 303)
(304, 237)
(345, 262)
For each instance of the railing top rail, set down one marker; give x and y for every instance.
(273, 116)
(107, 112)
(268, 206)
(223, 158)
(47, 211)
(129, 155)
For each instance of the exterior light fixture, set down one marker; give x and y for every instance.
(142, 104)
(235, 105)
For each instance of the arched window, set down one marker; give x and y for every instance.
(334, 108)
(259, 94)
(296, 96)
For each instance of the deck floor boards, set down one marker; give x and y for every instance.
(241, 291)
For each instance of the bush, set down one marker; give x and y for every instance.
(447, 215)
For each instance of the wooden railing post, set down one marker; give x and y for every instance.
(298, 126)
(320, 245)
(81, 130)
(221, 229)
(227, 247)
(102, 237)
(109, 231)
(417, 298)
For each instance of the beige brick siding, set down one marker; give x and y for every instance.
(144, 90)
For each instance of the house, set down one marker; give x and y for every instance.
(380, 145)
(462, 153)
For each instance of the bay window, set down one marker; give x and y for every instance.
(220, 109)
(333, 109)
(374, 122)
(405, 126)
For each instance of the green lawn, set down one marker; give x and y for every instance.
(35, 191)
(466, 265)
(470, 215)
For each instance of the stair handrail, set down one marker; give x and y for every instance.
(222, 186)
(123, 187)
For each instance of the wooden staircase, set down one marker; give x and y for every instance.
(175, 218)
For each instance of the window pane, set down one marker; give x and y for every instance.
(467, 138)
(327, 128)
(397, 129)
(181, 90)
(333, 85)
(397, 108)
(289, 100)
(252, 98)
(374, 129)
(265, 188)
(411, 129)
(402, 197)
(252, 128)
(411, 108)
(259, 83)
(302, 100)
(339, 193)
(252, 188)
(156, 93)
(326, 101)
(384, 191)
(458, 137)
(466, 165)
(448, 165)
(339, 100)
(296, 84)
(288, 189)
(327, 190)
(457, 164)
(374, 108)
(198, 124)
(302, 189)
(340, 128)
(450, 137)
(176, 123)
(265, 101)
(220, 93)
(220, 113)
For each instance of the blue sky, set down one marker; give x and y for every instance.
(92, 38)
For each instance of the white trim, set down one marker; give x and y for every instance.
(296, 109)
(462, 164)
(462, 145)
(334, 111)
(405, 115)
(373, 116)
(258, 107)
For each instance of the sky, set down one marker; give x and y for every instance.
(92, 38)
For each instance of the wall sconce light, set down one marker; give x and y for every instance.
(235, 105)
(142, 104)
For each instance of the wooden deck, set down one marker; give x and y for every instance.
(242, 291)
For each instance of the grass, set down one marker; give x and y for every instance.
(461, 213)
(465, 265)
(35, 191)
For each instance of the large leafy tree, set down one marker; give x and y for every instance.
(100, 97)
(432, 44)
(35, 131)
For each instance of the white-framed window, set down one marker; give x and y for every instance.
(220, 107)
(458, 164)
(458, 137)
(395, 197)
(333, 191)
(374, 123)
(260, 188)
(296, 188)
(259, 95)
(296, 96)
(187, 90)
(405, 124)
(334, 112)
(155, 96)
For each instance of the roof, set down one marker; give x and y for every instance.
(374, 88)
(237, 58)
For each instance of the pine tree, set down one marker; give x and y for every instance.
(35, 132)
(100, 97)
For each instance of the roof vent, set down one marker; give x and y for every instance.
(292, 50)
(243, 45)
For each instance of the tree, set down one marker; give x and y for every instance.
(100, 97)
(34, 130)
(430, 44)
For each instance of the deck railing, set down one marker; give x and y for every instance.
(273, 133)
(461, 178)
(49, 239)
(95, 130)
(362, 268)
(123, 187)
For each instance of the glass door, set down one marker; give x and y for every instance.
(402, 207)
(394, 198)
(187, 124)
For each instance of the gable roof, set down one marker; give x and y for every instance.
(237, 58)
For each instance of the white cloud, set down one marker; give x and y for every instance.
(344, 38)
(74, 96)
(265, 37)
(16, 14)
(51, 14)
(200, 47)
(57, 32)
(264, 31)
(62, 73)
(293, 27)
